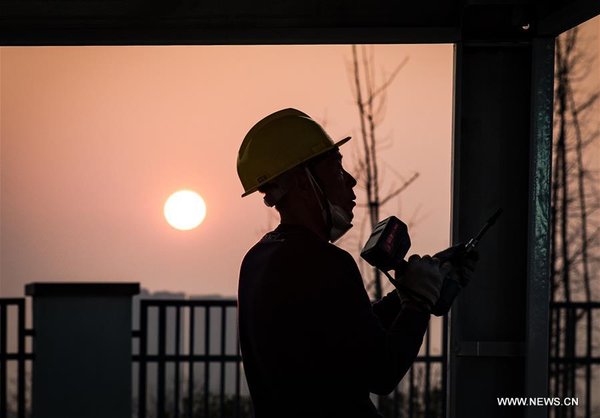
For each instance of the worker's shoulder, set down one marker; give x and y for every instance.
(314, 268)
(296, 246)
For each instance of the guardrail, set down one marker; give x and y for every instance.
(575, 337)
(13, 403)
(187, 362)
(188, 365)
(193, 337)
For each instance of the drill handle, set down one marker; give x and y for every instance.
(449, 292)
(454, 252)
(400, 267)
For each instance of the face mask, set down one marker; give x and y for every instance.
(335, 216)
(340, 221)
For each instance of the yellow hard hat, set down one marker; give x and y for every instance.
(278, 143)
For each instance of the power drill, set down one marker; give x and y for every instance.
(389, 243)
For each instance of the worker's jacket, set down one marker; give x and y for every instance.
(312, 343)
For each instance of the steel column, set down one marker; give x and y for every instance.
(538, 254)
(496, 147)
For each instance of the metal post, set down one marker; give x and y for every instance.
(83, 349)
(177, 354)
(3, 361)
(538, 254)
(161, 393)
(491, 344)
(222, 362)
(21, 359)
(207, 361)
(190, 387)
(143, 363)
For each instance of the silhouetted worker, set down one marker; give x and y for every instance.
(312, 343)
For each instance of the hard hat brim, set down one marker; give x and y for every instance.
(335, 145)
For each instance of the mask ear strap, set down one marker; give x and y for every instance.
(321, 198)
(273, 196)
(276, 190)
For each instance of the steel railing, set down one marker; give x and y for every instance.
(188, 364)
(185, 337)
(184, 340)
(574, 337)
(13, 403)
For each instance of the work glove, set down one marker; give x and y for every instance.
(459, 263)
(459, 266)
(420, 281)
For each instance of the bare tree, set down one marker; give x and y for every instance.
(575, 194)
(370, 99)
(575, 202)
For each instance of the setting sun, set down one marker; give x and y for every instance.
(185, 210)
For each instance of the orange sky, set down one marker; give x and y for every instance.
(94, 139)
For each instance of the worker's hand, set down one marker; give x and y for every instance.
(460, 264)
(420, 282)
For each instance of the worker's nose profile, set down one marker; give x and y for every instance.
(313, 344)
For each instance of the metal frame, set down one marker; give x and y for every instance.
(568, 15)
(395, 404)
(179, 359)
(501, 158)
(157, 22)
(538, 252)
(21, 356)
(559, 312)
(191, 22)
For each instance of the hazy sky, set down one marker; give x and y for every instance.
(94, 139)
